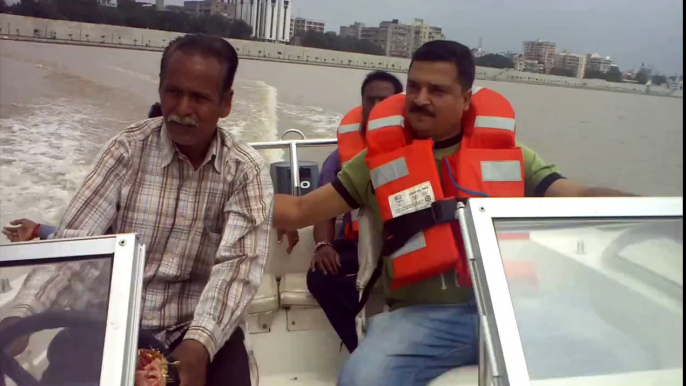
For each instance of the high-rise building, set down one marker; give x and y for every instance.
(269, 19)
(424, 33)
(398, 39)
(353, 30)
(541, 51)
(208, 8)
(160, 5)
(301, 25)
(573, 62)
(595, 62)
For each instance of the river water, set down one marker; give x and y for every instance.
(59, 104)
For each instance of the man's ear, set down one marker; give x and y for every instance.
(227, 103)
(467, 102)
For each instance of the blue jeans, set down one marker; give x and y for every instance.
(414, 345)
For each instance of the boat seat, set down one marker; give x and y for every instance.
(461, 376)
(293, 291)
(267, 297)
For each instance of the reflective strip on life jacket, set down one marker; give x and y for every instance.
(389, 172)
(352, 128)
(376, 124)
(501, 171)
(483, 122)
(414, 244)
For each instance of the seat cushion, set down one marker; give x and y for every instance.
(267, 296)
(293, 291)
(461, 376)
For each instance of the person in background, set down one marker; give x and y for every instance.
(332, 278)
(199, 199)
(27, 230)
(433, 323)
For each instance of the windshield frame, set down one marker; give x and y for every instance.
(125, 296)
(504, 350)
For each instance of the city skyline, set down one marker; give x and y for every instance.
(631, 32)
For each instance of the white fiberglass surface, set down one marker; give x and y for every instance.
(596, 298)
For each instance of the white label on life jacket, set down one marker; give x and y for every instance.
(412, 200)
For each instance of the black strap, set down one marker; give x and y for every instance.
(399, 230)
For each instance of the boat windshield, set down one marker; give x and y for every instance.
(582, 291)
(82, 297)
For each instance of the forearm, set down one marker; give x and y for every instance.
(604, 192)
(324, 231)
(323, 204)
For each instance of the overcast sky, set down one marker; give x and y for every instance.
(629, 31)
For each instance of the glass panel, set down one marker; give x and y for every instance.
(597, 302)
(65, 343)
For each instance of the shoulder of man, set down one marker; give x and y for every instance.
(238, 153)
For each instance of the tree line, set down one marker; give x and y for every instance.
(128, 13)
(332, 41)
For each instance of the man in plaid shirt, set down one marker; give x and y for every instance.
(198, 198)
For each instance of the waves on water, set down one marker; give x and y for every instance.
(45, 154)
(312, 119)
(254, 115)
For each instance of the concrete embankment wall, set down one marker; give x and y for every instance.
(68, 32)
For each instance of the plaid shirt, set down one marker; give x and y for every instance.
(206, 233)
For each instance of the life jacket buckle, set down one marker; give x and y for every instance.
(444, 211)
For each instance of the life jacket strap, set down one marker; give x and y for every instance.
(399, 230)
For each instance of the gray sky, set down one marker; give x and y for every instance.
(629, 31)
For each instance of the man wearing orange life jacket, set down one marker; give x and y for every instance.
(332, 279)
(443, 139)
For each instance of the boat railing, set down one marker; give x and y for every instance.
(292, 146)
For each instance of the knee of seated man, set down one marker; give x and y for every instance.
(366, 366)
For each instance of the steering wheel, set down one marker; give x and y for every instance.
(639, 234)
(10, 367)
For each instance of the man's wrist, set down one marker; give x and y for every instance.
(321, 245)
(34, 233)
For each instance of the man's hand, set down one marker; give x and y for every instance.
(327, 260)
(20, 343)
(193, 359)
(292, 236)
(21, 231)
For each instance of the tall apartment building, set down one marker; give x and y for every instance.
(424, 33)
(595, 62)
(300, 25)
(541, 51)
(401, 40)
(209, 8)
(353, 30)
(573, 62)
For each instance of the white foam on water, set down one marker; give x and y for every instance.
(254, 115)
(45, 154)
(313, 119)
(46, 150)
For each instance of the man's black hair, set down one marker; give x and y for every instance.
(155, 110)
(208, 45)
(383, 76)
(449, 51)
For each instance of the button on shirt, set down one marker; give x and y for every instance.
(206, 231)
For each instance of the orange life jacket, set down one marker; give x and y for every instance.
(417, 204)
(351, 141)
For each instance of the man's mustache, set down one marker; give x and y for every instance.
(421, 110)
(186, 121)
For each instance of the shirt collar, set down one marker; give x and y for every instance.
(168, 150)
